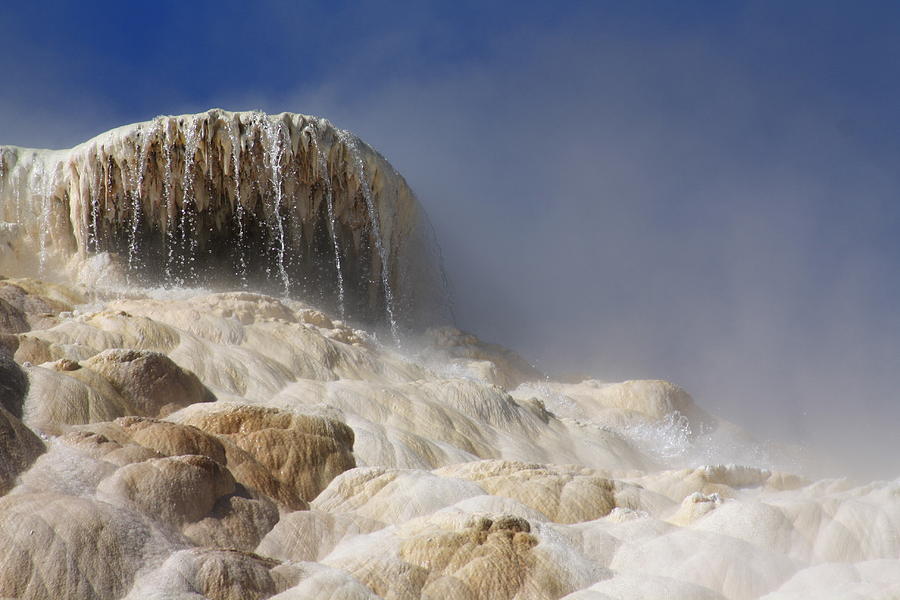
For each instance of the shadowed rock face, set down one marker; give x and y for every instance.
(19, 446)
(286, 203)
(13, 386)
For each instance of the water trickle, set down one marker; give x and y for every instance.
(42, 187)
(106, 173)
(137, 174)
(275, 135)
(17, 185)
(3, 181)
(169, 203)
(93, 227)
(130, 186)
(350, 142)
(332, 225)
(234, 133)
(188, 204)
(18, 202)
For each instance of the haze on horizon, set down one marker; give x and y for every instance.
(704, 193)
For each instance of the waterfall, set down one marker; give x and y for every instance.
(375, 224)
(274, 134)
(312, 210)
(325, 176)
(188, 221)
(42, 187)
(137, 195)
(234, 133)
(169, 203)
(94, 224)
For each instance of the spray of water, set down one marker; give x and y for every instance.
(188, 208)
(274, 145)
(94, 228)
(169, 203)
(137, 174)
(349, 142)
(42, 187)
(234, 133)
(325, 176)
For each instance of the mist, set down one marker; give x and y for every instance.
(660, 210)
(705, 199)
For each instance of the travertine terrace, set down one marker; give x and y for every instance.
(193, 404)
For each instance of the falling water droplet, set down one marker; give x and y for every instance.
(234, 133)
(137, 174)
(188, 204)
(93, 231)
(170, 204)
(332, 225)
(42, 187)
(274, 152)
(350, 142)
(3, 181)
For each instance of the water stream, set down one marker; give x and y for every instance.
(325, 176)
(375, 223)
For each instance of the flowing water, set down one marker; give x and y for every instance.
(137, 175)
(285, 202)
(42, 187)
(325, 177)
(94, 225)
(234, 133)
(187, 224)
(274, 144)
(375, 224)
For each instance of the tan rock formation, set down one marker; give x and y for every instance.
(302, 452)
(216, 575)
(173, 490)
(152, 384)
(60, 546)
(111, 384)
(564, 495)
(310, 535)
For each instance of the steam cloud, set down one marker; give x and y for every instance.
(715, 206)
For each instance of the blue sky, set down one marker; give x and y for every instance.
(700, 191)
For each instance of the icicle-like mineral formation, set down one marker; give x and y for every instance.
(286, 203)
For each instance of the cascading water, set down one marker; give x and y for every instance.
(42, 185)
(187, 223)
(286, 204)
(234, 133)
(94, 223)
(332, 226)
(274, 143)
(375, 224)
(169, 204)
(137, 196)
